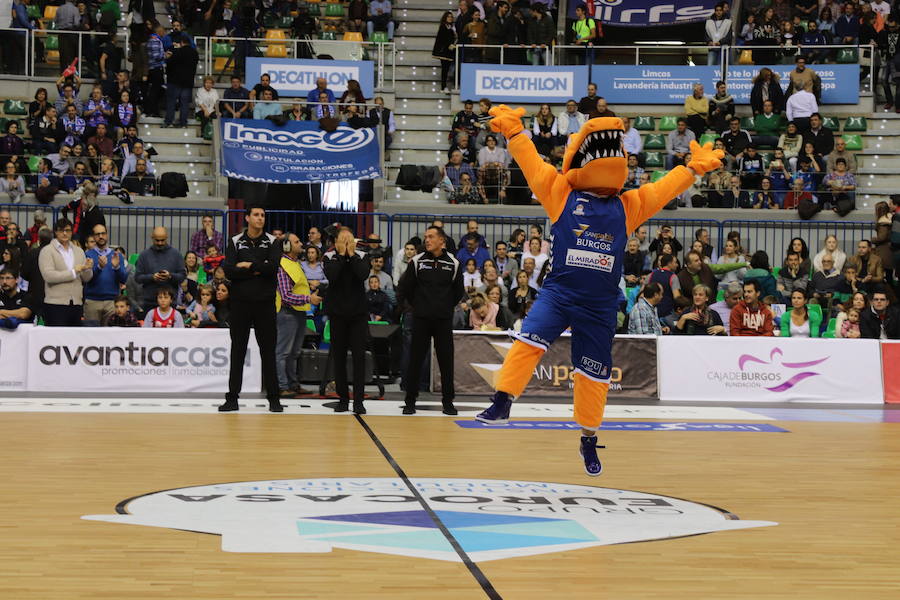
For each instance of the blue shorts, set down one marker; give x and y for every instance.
(592, 331)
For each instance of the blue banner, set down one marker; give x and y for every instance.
(647, 13)
(298, 152)
(840, 83)
(630, 426)
(296, 77)
(522, 83)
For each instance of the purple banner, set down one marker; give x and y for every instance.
(647, 13)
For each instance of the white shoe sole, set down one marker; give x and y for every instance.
(589, 474)
(489, 422)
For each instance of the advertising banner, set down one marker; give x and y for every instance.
(296, 77)
(769, 369)
(297, 152)
(14, 358)
(522, 83)
(890, 358)
(647, 13)
(128, 359)
(479, 356)
(647, 84)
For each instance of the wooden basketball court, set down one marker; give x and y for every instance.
(830, 486)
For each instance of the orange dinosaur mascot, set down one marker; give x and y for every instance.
(591, 223)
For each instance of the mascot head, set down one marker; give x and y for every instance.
(595, 157)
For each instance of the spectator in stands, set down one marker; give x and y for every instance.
(137, 153)
(352, 95)
(163, 314)
(265, 83)
(801, 105)
(643, 319)
(267, 107)
(840, 185)
(104, 143)
(97, 110)
(68, 96)
(356, 15)
(634, 173)
(507, 266)
(717, 183)
(846, 27)
(242, 110)
(536, 252)
(882, 240)
(212, 261)
(888, 41)
(223, 301)
(813, 37)
(108, 183)
(67, 18)
(825, 281)
(678, 144)
(12, 185)
(721, 109)
(766, 86)
(470, 247)
(73, 126)
(125, 114)
(663, 235)
(465, 121)
(158, 266)
(798, 245)
(750, 316)
(467, 192)
(632, 140)
(205, 101)
(736, 140)
(313, 267)
(798, 321)
(569, 121)
(718, 33)
(765, 197)
(464, 146)
(761, 272)
(181, 68)
(490, 277)
(840, 151)
(859, 301)
(109, 274)
(696, 109)
(541, 34)
(471, 275)
(544, 131)
(444, 49)
(750, 166)
(76, 178)
(768, 126)
(401, 260)
(821, 137)
(64, 270)
(37, 108)
(156, 61)
(734, 292)
(380, 18)
(830, 249)
(850, 327)
(601, 109)
(736, 196)
(47, 132)
(48, 183)
(699, 319)
(799, 196)
(473, 32)
(12, 148)
(140, 181)
(455, 167)
(492, 155)
(881, 321)
(15, 304)
(292, 301)
(521, 294)
(585, 34)
(588, 103)
(206, 235)
(869, 269)
(696, 272)
(793, 276)
(377, 270)
(668, 280)
(383, 116)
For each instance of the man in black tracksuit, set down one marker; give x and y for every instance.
(346, 269)
(251, 263)
(433, 285)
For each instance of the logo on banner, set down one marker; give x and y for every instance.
(774, 375)
(644, 12)
(342, 139)
(590, 260)
(489, 519)
(526, 84)
(303, 77)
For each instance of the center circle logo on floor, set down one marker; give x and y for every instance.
(489, 519)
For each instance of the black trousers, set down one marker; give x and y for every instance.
(62, 315)
(68, 50)
(261, 317)
(422, 333)
(349, 333)
(154, 92)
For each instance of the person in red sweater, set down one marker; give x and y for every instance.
(212, 260)
(750, 317)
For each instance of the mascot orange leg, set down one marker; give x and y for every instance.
(518, 367)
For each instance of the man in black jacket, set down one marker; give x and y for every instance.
(880, 320)
(181, 67)
(346, 269)
(31, 272)
(433, 285)
(251, 262)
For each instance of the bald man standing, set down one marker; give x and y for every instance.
(158, 266)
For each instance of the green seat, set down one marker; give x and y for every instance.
(379, 37)
(720, 296)
(657, 175)
(654, 160)
(668, 123)
(34, 11)
(831, 123)
(33, 163)
(847, 56)
(856, 124)
(334, 9)
(269, 20)
(133, 258)
(708, 137)
(52, 42)
(326, 334)
(315, 11)
(853, 140)
(776, 271)
(51, 25)
(829, 330)
(310, 325)
(645, 123)
(222, 50)
(15, 107)
(654, 141)
(207, 132)
(747, 123)
(327, 35)
(286, 22)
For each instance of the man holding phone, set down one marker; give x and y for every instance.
(158, 266)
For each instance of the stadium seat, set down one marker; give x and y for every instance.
(33, 163)
(829, 330)
(645, 123)
(654, 160)
(776, 271)
(34, 11)
(352, 36)
(275, 34)
(315, 11)
(854, 141)
(269, 20)
(831, 123)
(15, 107)
(708, 137)
(276, 51)
(747, 123)
(380, 37)
(334, 10)
(52, 42)
(220, 65)
(286, 22)
(668, 123)
(720, 296)
(220, 49)
(327, 35)
(847, 56)
(657, 175)
(856, 124)
(654, 141)
(207, 132)
(50, 12)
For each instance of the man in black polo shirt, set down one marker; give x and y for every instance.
(433, 285)
(251, 263)
(14, 306)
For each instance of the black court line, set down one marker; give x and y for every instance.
(476, 572)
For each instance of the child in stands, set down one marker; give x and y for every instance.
(164, 315)
(122, 317)
(202, 313)
(212, 260)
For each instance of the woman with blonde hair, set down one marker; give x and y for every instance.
(543, 128)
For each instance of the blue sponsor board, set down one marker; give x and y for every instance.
(840, 83)
(296, 77)
(523, 83)
(647, 13)
(630, 426)
(297, 152)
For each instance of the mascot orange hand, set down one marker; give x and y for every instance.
(507, 121)
(704, 159)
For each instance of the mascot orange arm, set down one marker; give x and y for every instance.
(595, 162)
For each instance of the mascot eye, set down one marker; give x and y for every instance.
(606, 143)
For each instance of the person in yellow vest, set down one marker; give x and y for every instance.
(292, 300)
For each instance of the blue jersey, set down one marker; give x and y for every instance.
(587, 249)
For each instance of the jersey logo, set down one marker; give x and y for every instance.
(581, 227)
(590, 260)
(579, 211)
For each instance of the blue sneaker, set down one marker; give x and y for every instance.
(588, 452)
(498, 412)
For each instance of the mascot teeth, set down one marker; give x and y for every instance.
(599, 144)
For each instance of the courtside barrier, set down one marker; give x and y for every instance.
(890, 358)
